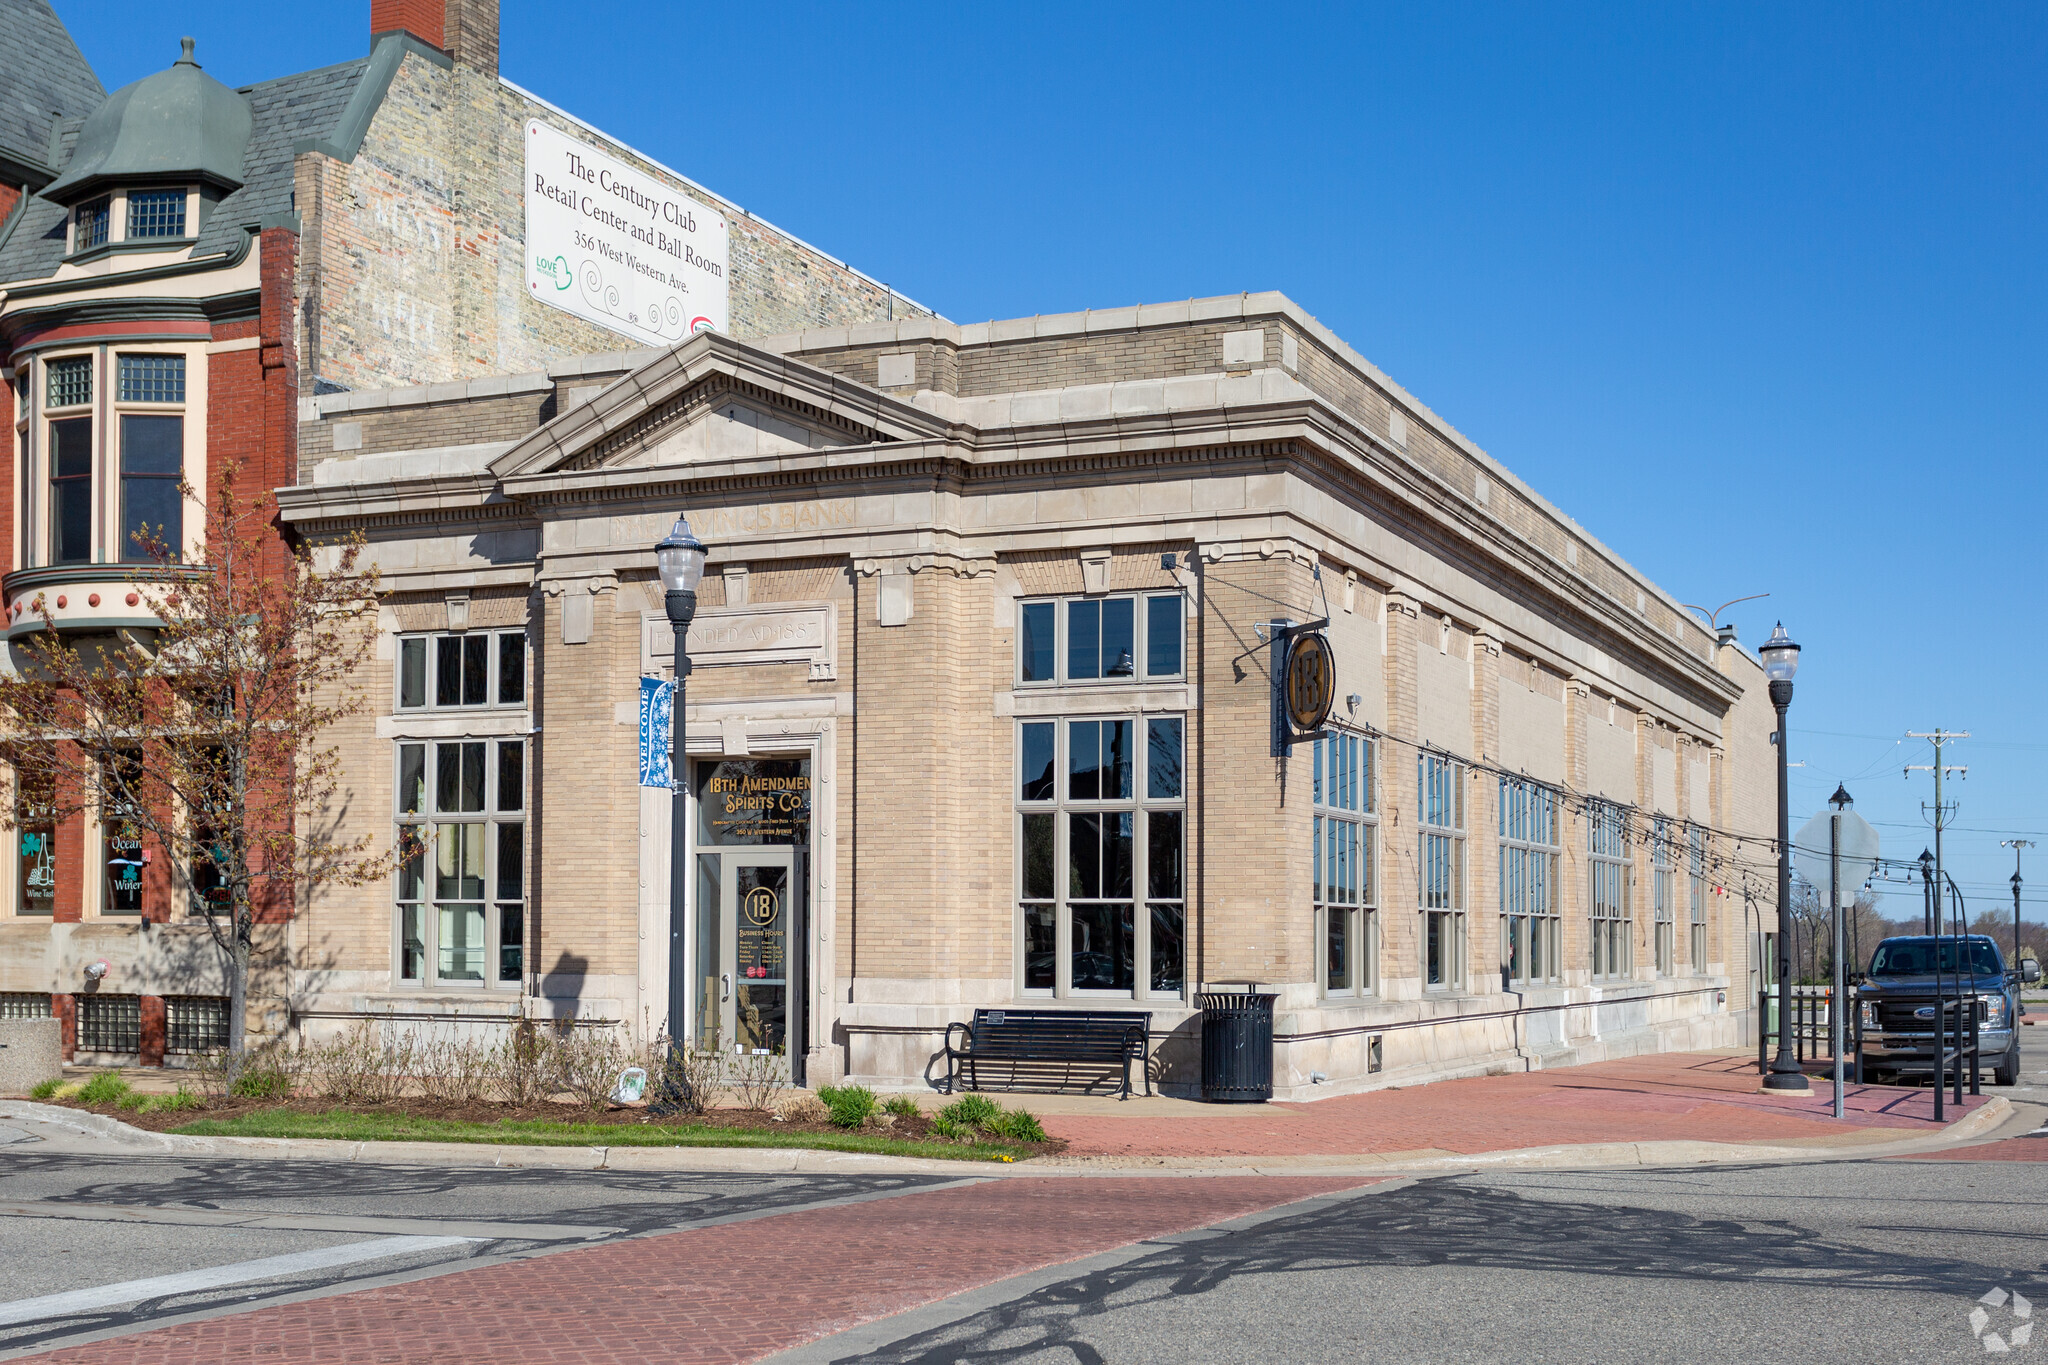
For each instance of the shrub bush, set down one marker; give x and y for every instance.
(45, 1089)
(947, 1128)
(1018, 1125)
(902, 1106)
(850, 1105)
(180, 1099)
(458, 1070)
(686, 1081)
(105, 1088)
(803, 1109)
(971, 1111)
(588, 1062)
(265, 1075)
(757, 1078)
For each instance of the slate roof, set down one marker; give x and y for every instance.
(287, 111)
(43, 76)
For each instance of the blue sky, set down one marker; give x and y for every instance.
(1755, 293)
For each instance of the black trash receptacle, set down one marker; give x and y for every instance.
(1237, 1045)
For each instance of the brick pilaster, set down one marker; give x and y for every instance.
(152, 1030)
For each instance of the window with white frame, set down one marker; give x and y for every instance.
(1696, 866)
(1663, 895)
(1440, 805)
(469, 669)
(1531, 935)
(67, 402)
(1101, 866)
(1613, 952)
(460, 918)
(1100, 639)
(1346, 825)
(150, 391)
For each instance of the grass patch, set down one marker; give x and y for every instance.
(45, 1089)
(350, 1126)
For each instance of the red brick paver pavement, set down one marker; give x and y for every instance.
(724, 1294)
(1710, 1097)
(2011, 1149)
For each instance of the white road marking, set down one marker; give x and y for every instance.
(198, 1281)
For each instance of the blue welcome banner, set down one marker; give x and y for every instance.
(657, 711)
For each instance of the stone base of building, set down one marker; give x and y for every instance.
(1322, 1048)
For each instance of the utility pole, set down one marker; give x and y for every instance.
(2015, 845)
(1937, 738)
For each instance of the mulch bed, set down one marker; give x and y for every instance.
(914, 1128)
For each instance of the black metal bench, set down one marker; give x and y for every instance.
(1041, 1048)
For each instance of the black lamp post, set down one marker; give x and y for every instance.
(1932, 914)
(680, 558)
(2015, 918)
(1781, 661)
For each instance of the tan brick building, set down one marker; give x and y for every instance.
(981, 711)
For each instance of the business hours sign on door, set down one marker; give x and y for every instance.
(619, 248)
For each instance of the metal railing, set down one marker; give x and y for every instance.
(1953, 1027)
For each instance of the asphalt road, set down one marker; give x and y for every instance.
(1863, 1260)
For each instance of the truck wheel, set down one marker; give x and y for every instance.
(2008, 1071)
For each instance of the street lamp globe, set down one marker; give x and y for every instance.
(680, 558)
(1780, 656)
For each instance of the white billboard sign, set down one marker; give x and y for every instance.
(619, 248)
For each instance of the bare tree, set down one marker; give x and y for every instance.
(203, 736)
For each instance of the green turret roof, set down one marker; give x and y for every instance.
(177, 124)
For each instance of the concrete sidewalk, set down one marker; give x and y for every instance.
(1664, 1110)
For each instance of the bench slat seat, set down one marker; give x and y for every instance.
(1041, 1048)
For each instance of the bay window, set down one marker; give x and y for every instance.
(67, 399)
(152, 456)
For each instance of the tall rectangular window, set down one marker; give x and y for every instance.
(89, 224)
(1100, 639)
(1696, 867)
(1530, 932)
(152, 508)
(460, 910)
(71, 491)
(1613, 950)
(1101, 805)
(156, 213)
(1346, 825)
(1440, 805)
(1663, 893)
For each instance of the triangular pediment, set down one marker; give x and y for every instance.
(711, 398)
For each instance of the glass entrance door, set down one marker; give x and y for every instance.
(754, 916)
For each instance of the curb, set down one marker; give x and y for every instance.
(804, 1161)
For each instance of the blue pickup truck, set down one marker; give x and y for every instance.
(1898, 1034)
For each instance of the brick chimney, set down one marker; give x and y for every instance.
(466, 30)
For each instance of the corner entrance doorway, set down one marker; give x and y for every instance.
(751, 908)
